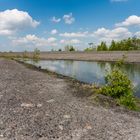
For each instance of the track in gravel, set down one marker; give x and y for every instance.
(38, 106)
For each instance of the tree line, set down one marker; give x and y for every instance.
(123, 45)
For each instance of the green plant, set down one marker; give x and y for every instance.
(90, 49)
(102, 47)
(119, 87)
(117, 84)
(128, 101)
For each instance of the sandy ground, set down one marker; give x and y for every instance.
(131, 56)
(38, 106)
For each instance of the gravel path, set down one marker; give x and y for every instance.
(38, 106)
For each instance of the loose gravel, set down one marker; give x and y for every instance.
(39, 106)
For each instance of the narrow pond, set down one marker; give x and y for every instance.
(89, 72)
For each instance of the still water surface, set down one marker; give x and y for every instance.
(89, 72)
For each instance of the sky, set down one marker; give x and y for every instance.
(53, 24)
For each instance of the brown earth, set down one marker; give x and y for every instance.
(39, 106)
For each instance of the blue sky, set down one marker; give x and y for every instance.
(47, 24)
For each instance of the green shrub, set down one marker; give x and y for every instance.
(117, 84)
(119, 87)
(128, 101)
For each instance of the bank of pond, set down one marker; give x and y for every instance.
(90, 72)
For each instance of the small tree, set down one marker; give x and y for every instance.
(69, 48)
(102, 47)
(36, 54)
(112, 46)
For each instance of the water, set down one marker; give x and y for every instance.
(89, 72)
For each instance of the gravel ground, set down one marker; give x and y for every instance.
(38, 106)
(131, 56)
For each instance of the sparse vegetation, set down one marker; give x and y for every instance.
(36, 54)
(69, 48)
(90, 49)
(25, 55)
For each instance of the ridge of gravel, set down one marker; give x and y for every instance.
(38, 106)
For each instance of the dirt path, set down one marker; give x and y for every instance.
(37, 106)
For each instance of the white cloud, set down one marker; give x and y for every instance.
(15, 20)
(130, 21)
(51, 40)
(68, 19)
(34, 41)
(55, 20)
(72, 41)
(137, 34)
(54, 31)
(103, 34)
(77, 34)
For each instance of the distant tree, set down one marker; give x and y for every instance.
(90, 48)
(112, 46)
(91, 44)
(125, 45)
(60, 50)
(69, 48)
(102, 47)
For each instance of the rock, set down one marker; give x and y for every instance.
(50, 101)
(28, 105)
(39, 105)
(67, 116)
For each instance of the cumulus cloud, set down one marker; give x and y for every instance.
(33, 40)
(103, 34)
(14, 20)
(55, 20)
(72, 41)
(68, 19)
(130, 21)
(74, 34)
(54, 31)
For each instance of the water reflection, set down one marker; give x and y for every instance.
(90, 72)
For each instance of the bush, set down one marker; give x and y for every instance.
(36, 55)
(117, 84)
(128, 101)
(119, 87)
(90, 49)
